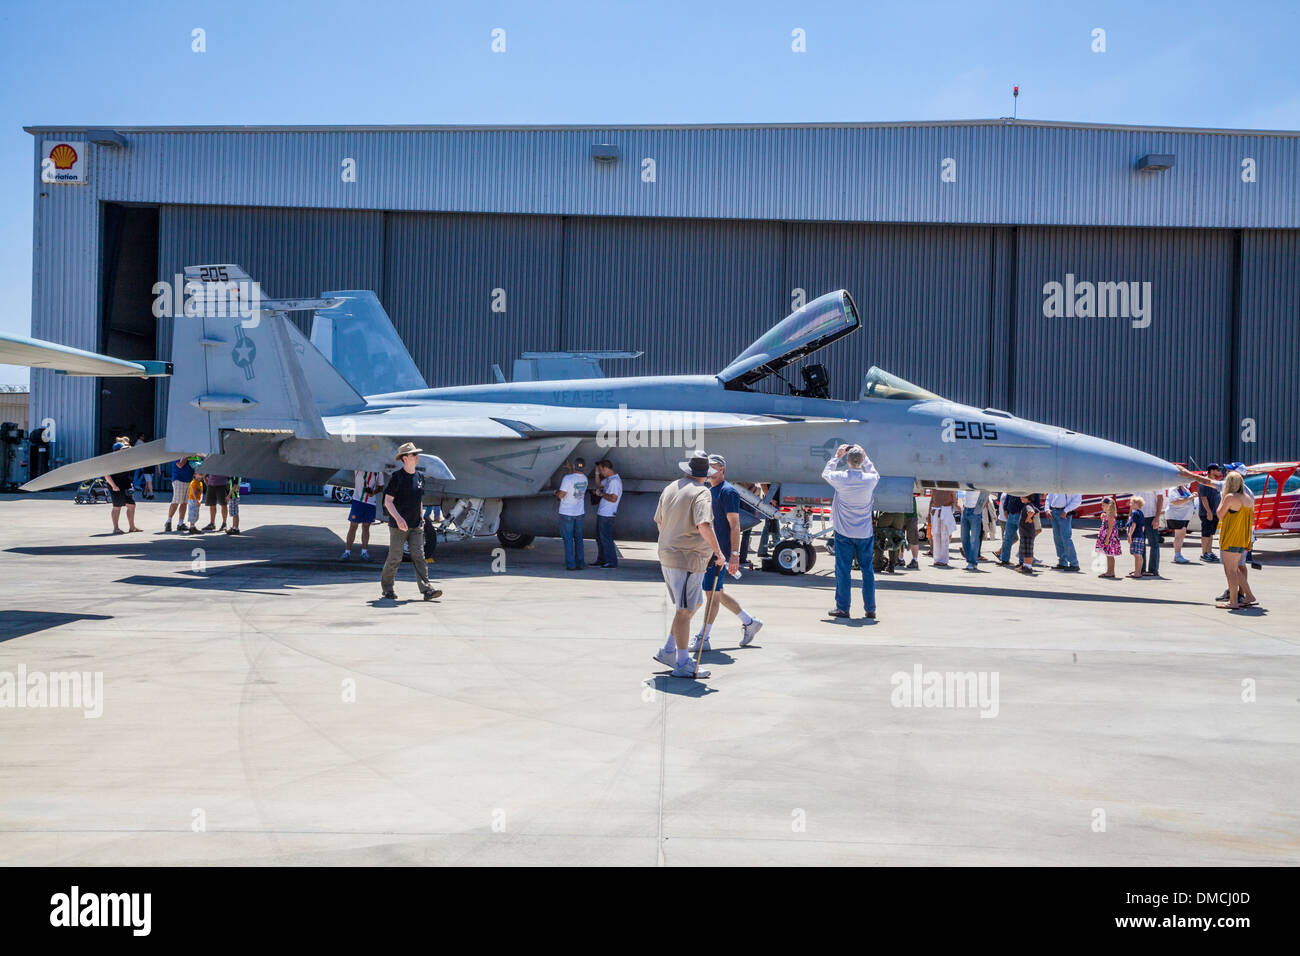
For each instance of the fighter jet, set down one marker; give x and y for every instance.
(254, 394)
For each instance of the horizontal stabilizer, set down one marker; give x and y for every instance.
(37, 353)
(126, 459)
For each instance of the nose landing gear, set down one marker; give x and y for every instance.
(793, 557)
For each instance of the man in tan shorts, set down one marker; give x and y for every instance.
(686, 544)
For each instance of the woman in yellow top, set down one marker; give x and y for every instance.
(1236, 524)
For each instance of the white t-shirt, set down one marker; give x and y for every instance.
(360, 491)
(1179, 509)
(613, 485)
(1148, 502)
(574, 501)
(970, 499)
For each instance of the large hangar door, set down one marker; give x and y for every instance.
(691, 293)
(1146, 364)
(1266, 421)
(927, 299)
(128, 329)
(467, 291)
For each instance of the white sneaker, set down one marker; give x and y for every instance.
(667, 658)
(345, 556)
(747, 631)
(695, 643)
(689, 670)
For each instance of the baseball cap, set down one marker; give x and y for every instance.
(718, 460)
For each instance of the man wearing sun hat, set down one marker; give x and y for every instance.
(402, 503)
(686, 545)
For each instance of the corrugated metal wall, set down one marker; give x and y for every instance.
(65, 308)
(923, 293)
(691, 293)
(15, 407)
(1164, 388)
(1025, 173)
(1005, 173)
(958, 309)
(1268, 384)
(440, 275)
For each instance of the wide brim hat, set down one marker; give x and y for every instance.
(697, 466)
(408, 449)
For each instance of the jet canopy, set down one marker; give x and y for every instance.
(881, 384)
(817, 324)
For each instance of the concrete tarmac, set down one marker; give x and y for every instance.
(259, 706)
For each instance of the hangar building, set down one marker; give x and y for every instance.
(1140, 284)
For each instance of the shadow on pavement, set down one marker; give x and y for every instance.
(681, 686)
(21, 623)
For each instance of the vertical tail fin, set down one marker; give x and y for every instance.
(239, 363)
(359, 340)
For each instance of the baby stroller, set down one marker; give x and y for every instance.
(91, 492)
(890, 540)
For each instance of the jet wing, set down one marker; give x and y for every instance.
(127, 459)
(37, 353)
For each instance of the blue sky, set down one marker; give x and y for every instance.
(375, 62)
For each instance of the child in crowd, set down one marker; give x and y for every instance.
(195, 499)
(1108, 537)
(1027, 534)
(1137, 534)
(234, 504)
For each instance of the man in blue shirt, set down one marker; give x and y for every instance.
(726, 527)
(182, 475)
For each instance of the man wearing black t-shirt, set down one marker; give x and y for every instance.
(1208, 501)
(122, 492)
(402, 503)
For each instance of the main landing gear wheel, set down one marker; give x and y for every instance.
(512, 539)
(794, 557)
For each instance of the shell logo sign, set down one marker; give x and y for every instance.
(63, 161)
(64, 156)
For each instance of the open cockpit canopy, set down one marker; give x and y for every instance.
(819, 323)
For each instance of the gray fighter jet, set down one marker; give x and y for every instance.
(256, 395)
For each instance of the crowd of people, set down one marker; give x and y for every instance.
(192, 487)
(700, 539)
(1222, 501)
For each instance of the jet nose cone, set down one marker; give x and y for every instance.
(1093, 464)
